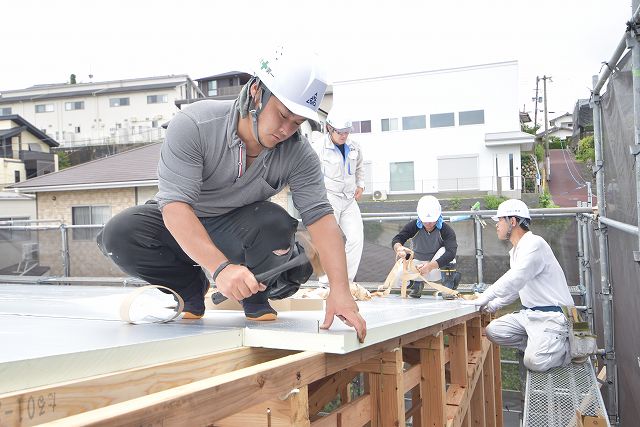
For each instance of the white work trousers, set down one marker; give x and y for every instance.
(543, 336)
(347, 213)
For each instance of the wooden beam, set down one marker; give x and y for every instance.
(191, 404)
(293, 411)
(66, 399)
(356, 413)
(328, 391)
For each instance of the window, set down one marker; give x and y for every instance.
(89, 215)
(6, 149)
(16, 176)
(8, 234)
(474, 117)
(6, 111)
(401, 176)
(442, 120)
(389, 125)
(157, 99)
(414, 122)
(363, 126)
(154, 123)
(78, 105)
(44, 108)
(212, 88)
(77, 129)
(118, 102)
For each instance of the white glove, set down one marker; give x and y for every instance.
(492, 306)
(478, 302)
(471, 302)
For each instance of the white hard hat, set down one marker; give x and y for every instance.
(429, 209)
(338, 120)
(295, 78)
(512, 207)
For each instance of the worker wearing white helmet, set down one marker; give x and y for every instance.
(434, 246)
(540, 328)
(343, 169)
(219, 165)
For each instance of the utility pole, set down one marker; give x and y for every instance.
(546, 126)
(535, 112)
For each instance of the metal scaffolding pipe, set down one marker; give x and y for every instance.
(603, 246)
(66, 265)
(541, 212)
(589, 293)
(479, 250)
(631, 229)
(617, 54)
(580, 232)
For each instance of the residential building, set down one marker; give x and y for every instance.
(25, 151)
(559, 127)
(447, 130)
(110, 112)
(582, 120)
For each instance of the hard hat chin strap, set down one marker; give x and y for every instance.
(258, 105)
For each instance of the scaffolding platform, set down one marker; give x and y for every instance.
(553, 398)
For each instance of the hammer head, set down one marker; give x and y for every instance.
(303, 238)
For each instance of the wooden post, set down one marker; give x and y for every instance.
(489, 394)
(387, 391)
(474, 333)
(477, 408)
(458, 354)
(497, 383)
(432, 384)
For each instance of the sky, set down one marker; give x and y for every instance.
(117, 39)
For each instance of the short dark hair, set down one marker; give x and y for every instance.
(522, 222)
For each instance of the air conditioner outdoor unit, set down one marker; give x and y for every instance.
(379, 195)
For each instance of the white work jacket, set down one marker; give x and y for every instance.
(342, 175)
(535, 275)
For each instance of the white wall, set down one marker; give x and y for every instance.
(492, 88)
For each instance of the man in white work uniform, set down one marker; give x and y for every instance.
(343, 168)
(540, 328)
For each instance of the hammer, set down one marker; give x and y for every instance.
(310, 255)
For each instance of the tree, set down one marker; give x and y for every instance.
(63, 160)
(529, 129)
(72, 79)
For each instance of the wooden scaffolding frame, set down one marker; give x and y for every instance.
(450, 371)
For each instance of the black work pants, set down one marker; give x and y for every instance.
(139, 243)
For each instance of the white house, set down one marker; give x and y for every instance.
(111, 112)
(443, 130)
(561, 127)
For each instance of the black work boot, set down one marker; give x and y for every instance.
(259, 311)
(416, 289)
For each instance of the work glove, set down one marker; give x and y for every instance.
(492, 306)
(479, 302)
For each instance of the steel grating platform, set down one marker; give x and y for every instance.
(553, 397)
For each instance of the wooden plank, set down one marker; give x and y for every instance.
(275, 413)
(474, 333)
(66, 399)
(392, 395)
(489, 395)
(432, 385)
(330, 420)
(458, 354)
(190, 404)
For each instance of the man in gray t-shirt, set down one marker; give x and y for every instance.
(219, 164)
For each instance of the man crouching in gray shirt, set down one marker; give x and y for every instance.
(220, 163)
